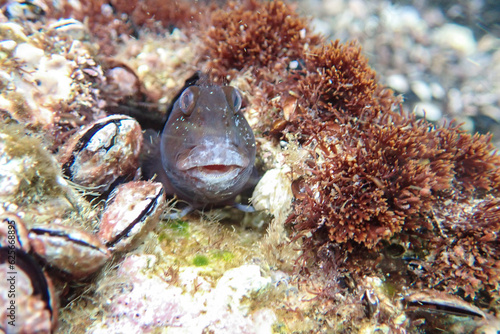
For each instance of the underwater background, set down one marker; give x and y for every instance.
(376, 125)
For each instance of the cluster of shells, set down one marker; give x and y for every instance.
(51, 226)
(95, 157)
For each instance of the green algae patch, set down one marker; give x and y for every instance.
(390, 289)
(215, 258)
(162, 237)
(201, 260)
(179, 228)
(223, 255)
(206, 244)
(174, 230)
(280, 328)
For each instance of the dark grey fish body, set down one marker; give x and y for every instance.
(207, 147)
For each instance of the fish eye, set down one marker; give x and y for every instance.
(187, 100)
(233, 97)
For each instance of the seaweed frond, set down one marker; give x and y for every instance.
(255, 34)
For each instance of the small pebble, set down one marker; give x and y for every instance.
(12, 31)
(438, 91)
(398, 82)
(28, 54)
(430, 111)
(422, 90)
(455, 104)
(8, 45)
(321, 27)
(333, 7)
(466, 123)
(457, 37)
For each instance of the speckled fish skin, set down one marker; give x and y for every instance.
(208, 155)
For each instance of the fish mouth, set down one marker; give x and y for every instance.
(212, 163)
(216, 169)
(215, 174)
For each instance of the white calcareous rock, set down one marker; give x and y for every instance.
(150, 302)
(273, 192)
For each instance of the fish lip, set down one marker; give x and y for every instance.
(214, 177)
(216, 169)
(212, 159)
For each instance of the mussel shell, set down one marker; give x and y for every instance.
(68, 249)
(132, 210)
(33, 296)
(13, 232)
(439, 302)
(103, 153)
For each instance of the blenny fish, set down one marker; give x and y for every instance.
(207, 148)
